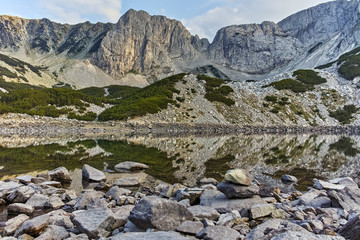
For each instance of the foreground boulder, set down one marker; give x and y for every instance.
(347, 199)
(13, 224)
(20, 208)
(130, 166)
(92, 174)
(158, 213)
(149, 236)
(232, 190)
(218, 232)
(60, 174)
(351, 230)
(238, 176)
(33, 226)
(95, 222)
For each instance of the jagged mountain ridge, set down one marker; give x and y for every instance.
(141, 48)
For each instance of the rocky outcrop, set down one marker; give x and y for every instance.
(255, 48)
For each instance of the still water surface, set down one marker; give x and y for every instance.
(188, 159)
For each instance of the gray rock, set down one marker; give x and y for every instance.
(130, 166)
(206, 181)
(116, 192)
(304, 235)
(319, 184)
(218, 232)
(190, 227)
(237, 191)
(82, 236)
(8, 186)
(161, 214)
(202, 212)
(14, 223)
(60, 218)
(131, 227)
(89, 199)
(20, 208)
(24, 179)
(38, 180)
(51, 184)
(347, 199)
(193, 194)
(54, 233)
(38, 201)
(54, 202)
(127, 182)
(122, 213)
(308, 197)
(149, 236)
(92, 174)
(33, 226)
(347, 182)
(60, 174)
(20, 195)
(229, 219)
(95, 222)
(238, 176)
(218, 201)
(317, 226)
(170, 190)
(288, 179)
(261, 210)
(351, 230)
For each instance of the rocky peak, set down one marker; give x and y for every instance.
(253, 48)
(144, 44)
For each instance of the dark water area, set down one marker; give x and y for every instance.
(188, 159)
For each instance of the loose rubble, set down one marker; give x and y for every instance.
(239, 208)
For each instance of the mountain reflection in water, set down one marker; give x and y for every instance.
(189, 159)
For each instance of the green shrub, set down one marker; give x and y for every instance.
(217, 97)
(271, 98)
(346, 146)
(211, 82)
(180, 99)
(309, 77)
(117, 91)
(93, 91)
(215, 92)
(90, 116)
(344, 115)
(290, 84)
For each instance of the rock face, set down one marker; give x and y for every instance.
(92, 174)
(144, 44)
(161, 214)
(254, 48)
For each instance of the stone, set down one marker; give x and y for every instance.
(54, 202)
(131, 227)
(319, 184)
(25, 237)
(218, 232)
(20, 208)
(279, 213)
(238, 176)
(185, 203)
(202, 212)
(261, 210)
(158, 213)
(95, 222)
(8, 186)
(38, 201)
(89, 199)
(130, 166)
(229, 219)
(308, 197)
(14, 223)
(60, 218)
(346, 182)
(272, 227)
(206, 181)
(51, 184)
(102, 186)
(116, 192)
(20, 195)
(38, 180)
(54, 233)
(207, 222)
(92, 174)
(193, 194)
(288, 179)
(149, 236)
(316, 225)
(347, 199)
(190, 227)
(170, 190)
(24, 179)
(237, 191)
(127, 182)
(122, 214)
(218, 201)
(33, 226)
(60, 174)
(304, 235)
(351, 230)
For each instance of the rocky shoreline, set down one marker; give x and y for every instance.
(238, 208)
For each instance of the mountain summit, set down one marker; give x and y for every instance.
(141, 48)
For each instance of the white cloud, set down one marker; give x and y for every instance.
(242, 12)
(75, 11)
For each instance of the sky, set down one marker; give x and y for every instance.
(201, 17)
